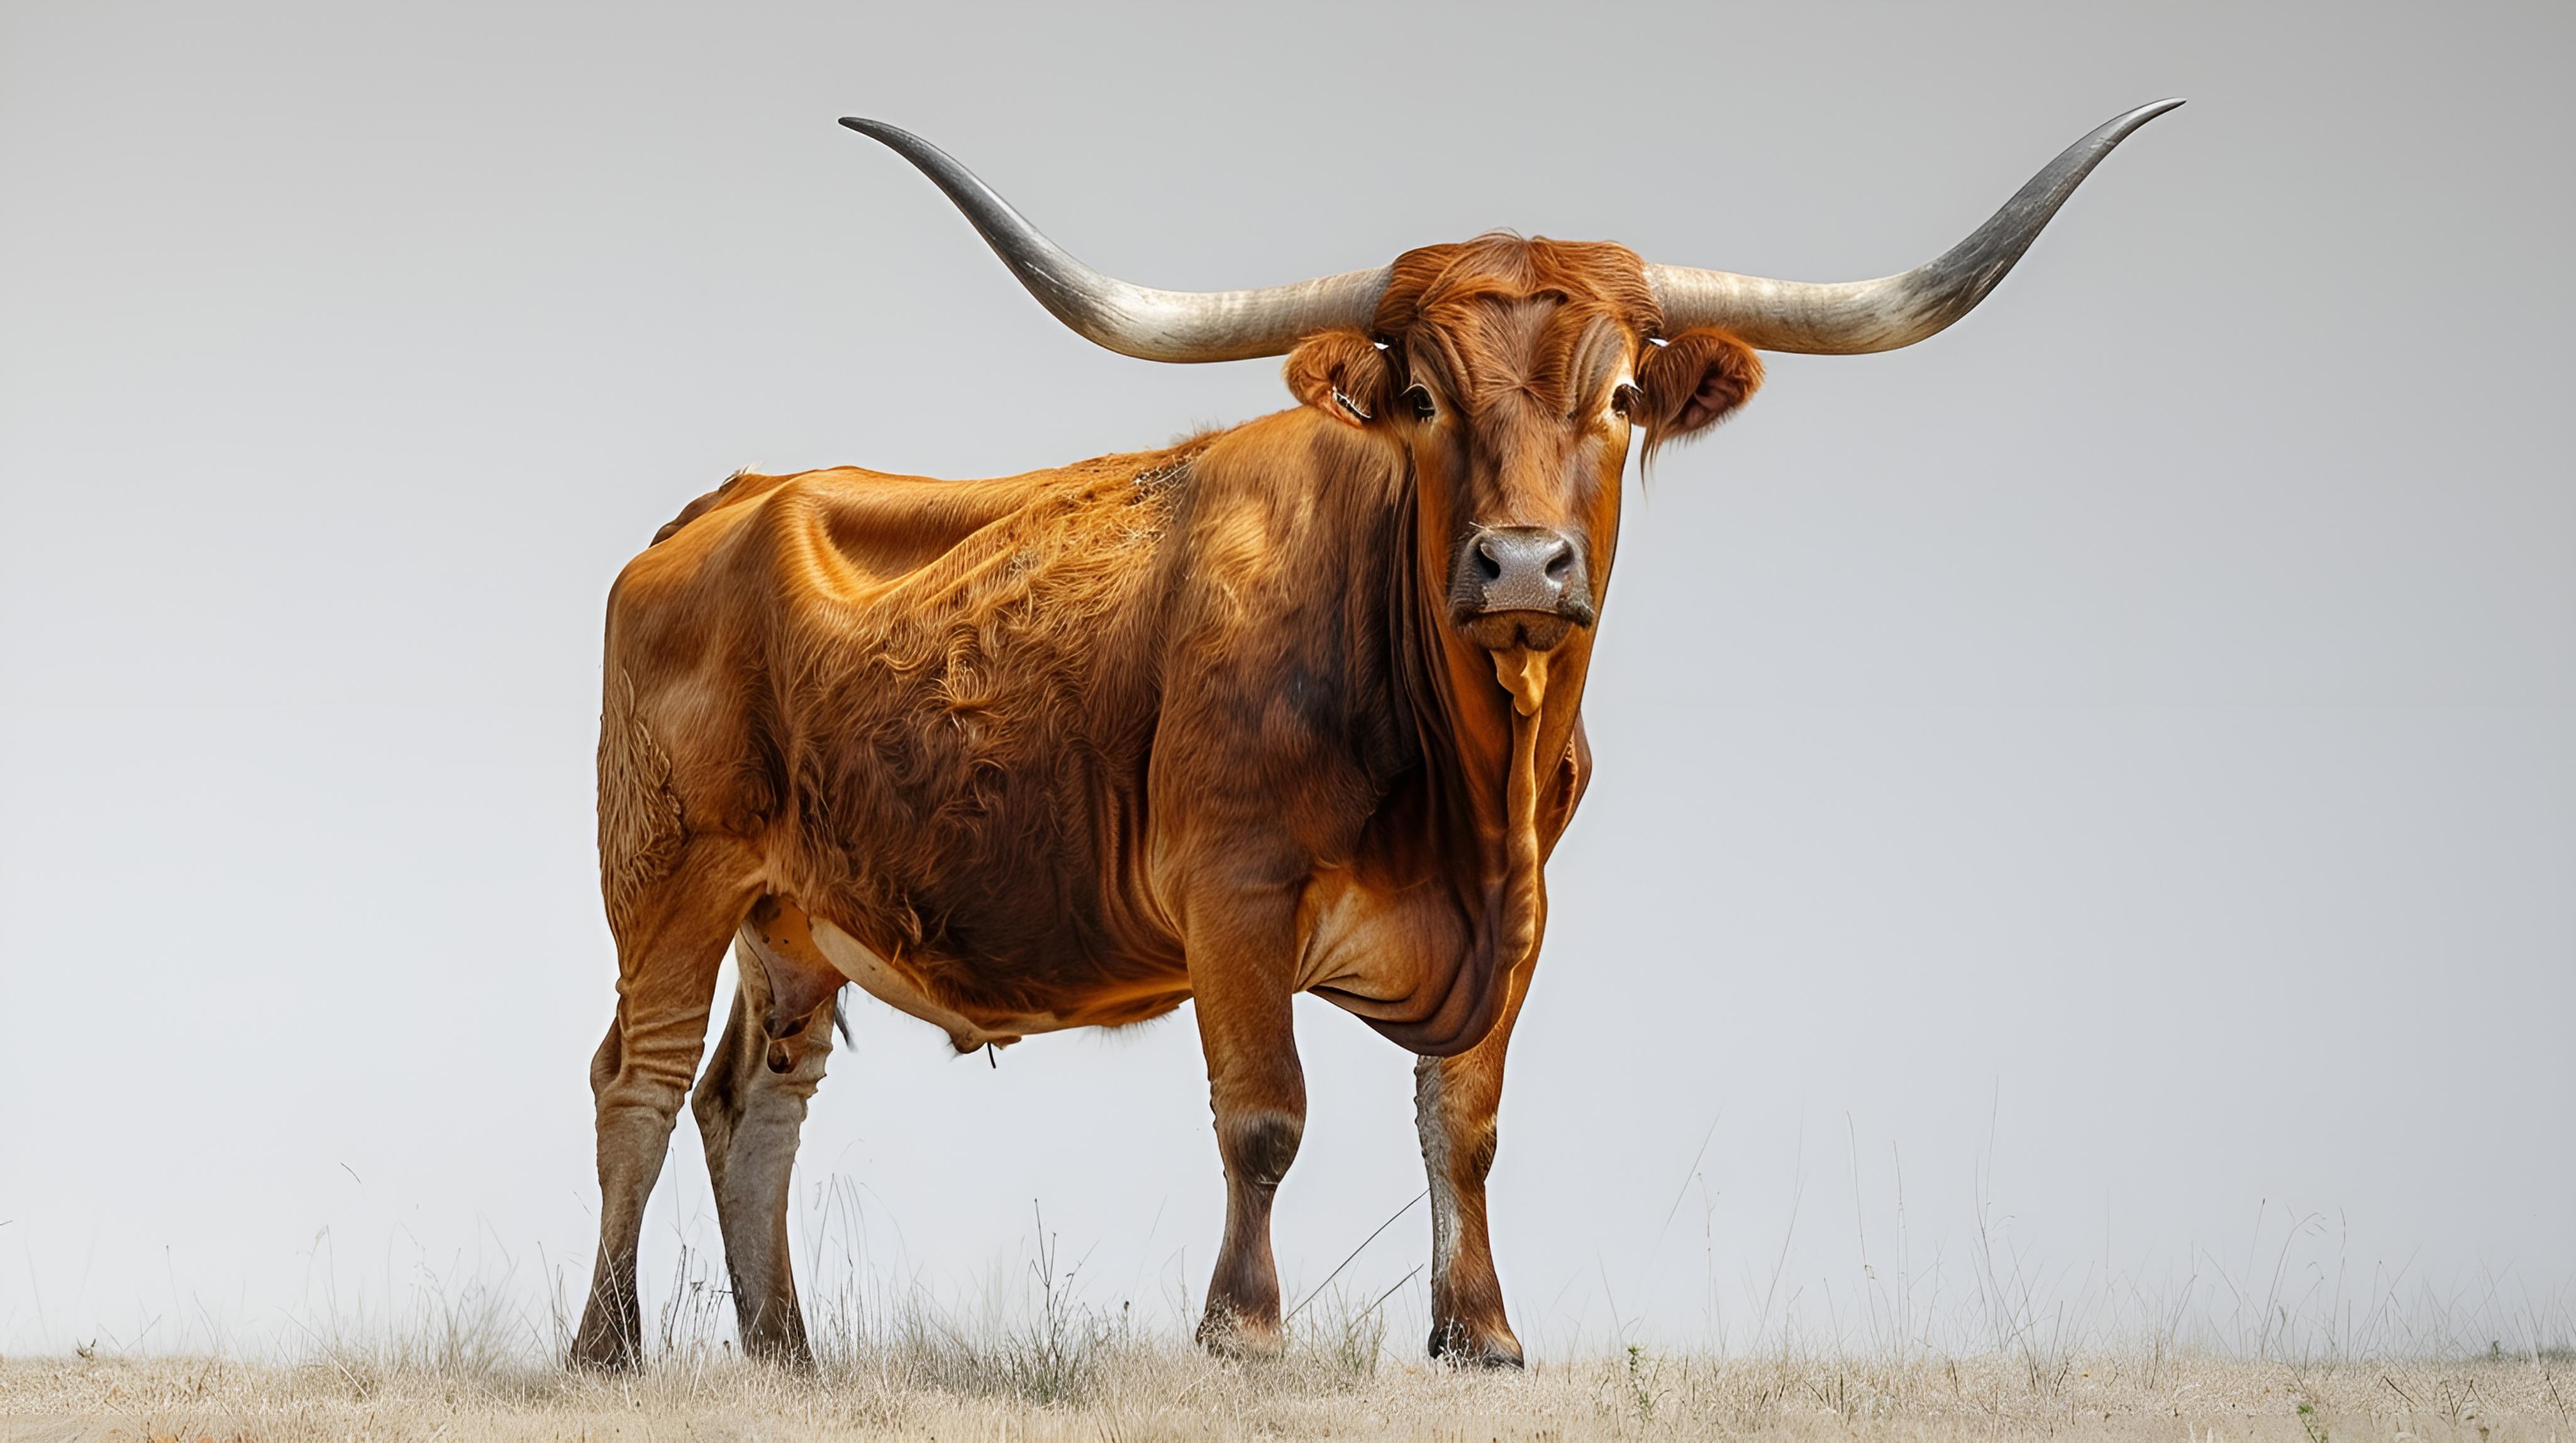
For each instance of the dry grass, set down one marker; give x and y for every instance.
(2260, 1355)
(1130, 1388)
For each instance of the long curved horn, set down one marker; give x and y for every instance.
(1859, 316)
(1136, 320)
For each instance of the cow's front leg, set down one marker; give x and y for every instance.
(1455, 1101)
(1241, 954)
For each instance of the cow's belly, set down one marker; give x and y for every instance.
(888, 984)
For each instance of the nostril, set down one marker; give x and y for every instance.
(1561, 565)
(1487, 567)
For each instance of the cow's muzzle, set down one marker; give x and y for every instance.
(1520, 586)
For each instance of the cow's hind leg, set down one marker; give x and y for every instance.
(750, 1105)
(1455, 1103)
(671, 935)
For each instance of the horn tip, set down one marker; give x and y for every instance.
(893, 135)
(2120, 127)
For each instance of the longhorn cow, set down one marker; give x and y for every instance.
(1293, 706)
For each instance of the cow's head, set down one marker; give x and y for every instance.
(1516, 373)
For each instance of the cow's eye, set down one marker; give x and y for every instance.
(1419, 397)
(1623, 398)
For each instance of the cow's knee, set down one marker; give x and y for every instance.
(1259, 1146)
(658, 1075)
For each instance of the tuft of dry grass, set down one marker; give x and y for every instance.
(1128, 1387)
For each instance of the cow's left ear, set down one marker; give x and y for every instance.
(1693, 382)
(1342, 374)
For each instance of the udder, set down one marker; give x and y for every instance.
(806, 959)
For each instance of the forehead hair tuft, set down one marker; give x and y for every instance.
(1499, 265)
(1472, 300)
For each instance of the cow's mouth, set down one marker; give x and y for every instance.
(1517, 630)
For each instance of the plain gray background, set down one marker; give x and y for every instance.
(2096, 789)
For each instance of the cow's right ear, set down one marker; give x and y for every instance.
(1342, 374)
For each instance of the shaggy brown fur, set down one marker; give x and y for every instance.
(1066, 749)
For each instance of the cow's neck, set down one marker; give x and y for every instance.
(1488, 729)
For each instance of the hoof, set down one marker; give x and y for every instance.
(602, 1346)
(1462, 1346)
(773, 1332)
(587, 1357)
(792, 1356)
(1229, 1334)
